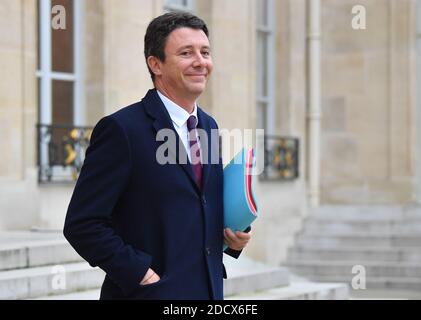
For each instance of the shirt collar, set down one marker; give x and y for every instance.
(178, 115)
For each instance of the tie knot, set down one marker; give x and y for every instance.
(191, 123)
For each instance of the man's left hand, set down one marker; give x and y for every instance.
(238, 240)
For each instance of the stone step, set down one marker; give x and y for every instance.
(29, 262)
(316, 268)
(375, 283)
(374, 212)
(49, 280)
(386, 240)
(385, 294)
(35, 254)
(298, 291)
(244, 275)
(81, 295)
(335, 227)
(354, 239)
(331, 288)
(293, 291)
(407, 254)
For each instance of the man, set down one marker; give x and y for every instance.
(156, 230)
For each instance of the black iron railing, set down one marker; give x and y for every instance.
(281, 158)
(61, 151)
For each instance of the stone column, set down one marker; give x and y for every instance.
(18, 115)
(314, 108)
(418, 125)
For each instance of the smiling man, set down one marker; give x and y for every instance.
(156, 230)
(182, 72)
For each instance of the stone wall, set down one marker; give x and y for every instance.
(368, 140)
(18, 114)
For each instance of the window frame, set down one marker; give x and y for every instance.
(45, 73)
(267, 31)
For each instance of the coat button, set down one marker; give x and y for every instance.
(204, 200)
(208, 251)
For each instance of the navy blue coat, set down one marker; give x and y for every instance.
(129, 213)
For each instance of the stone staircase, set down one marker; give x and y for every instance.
(34, 264)
(385, 240)
(240, 285)
(42, 265)
(250, 280)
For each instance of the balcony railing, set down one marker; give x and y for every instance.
(281, 158)
(61, 151)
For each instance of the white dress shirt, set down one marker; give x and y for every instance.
(179, 117)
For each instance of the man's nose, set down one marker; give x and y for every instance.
(199, 60)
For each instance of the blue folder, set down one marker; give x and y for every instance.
(240, 208)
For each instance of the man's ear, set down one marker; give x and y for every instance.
(155, 65)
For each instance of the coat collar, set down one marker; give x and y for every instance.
(178, 115)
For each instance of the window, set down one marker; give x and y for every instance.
(59, 65)
(59, 74)
(185, 5)
(265, 63)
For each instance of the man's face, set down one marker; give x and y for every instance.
(188, 63)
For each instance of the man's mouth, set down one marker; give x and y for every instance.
(199, 78)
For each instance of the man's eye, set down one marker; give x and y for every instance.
(185, 53)
(206, 53)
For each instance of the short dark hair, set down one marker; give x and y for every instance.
(160, 28)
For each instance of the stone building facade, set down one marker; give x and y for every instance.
(296, 68)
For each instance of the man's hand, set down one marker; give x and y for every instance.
(150, 277)
(238, 240)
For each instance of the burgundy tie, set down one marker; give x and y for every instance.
(194, 150)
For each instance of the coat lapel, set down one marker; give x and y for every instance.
(205, 143)
(162, 120)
